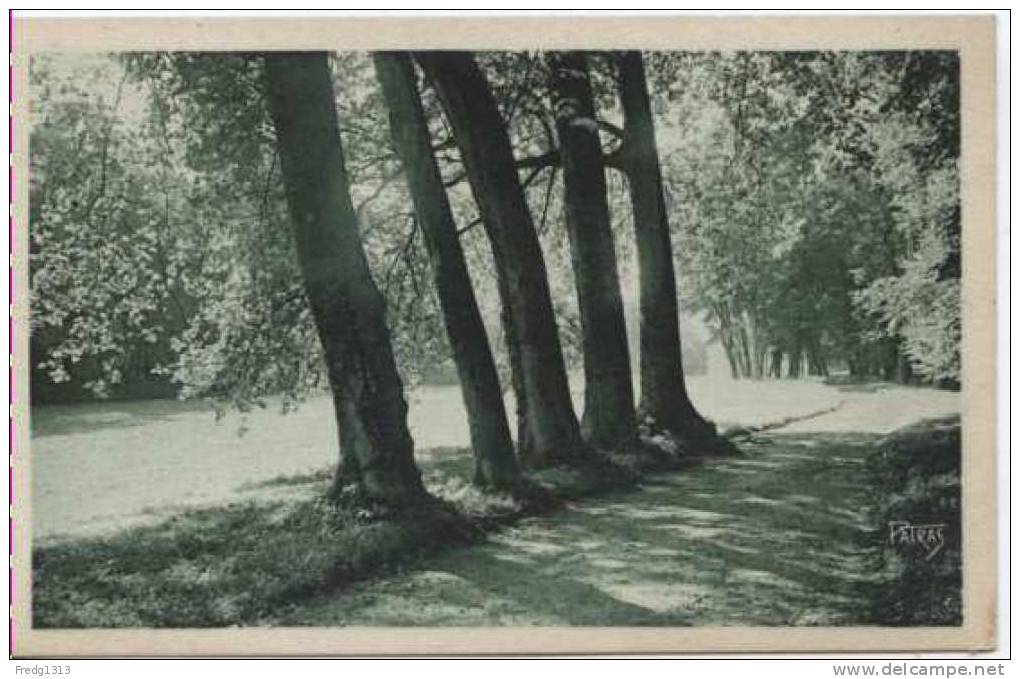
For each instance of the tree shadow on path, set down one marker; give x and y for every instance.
(772, 538)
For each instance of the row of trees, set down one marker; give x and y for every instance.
(813, 199)
(241, 150)
(818, 208)
(487, 210)
(349, 310)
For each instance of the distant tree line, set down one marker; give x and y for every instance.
(816, 202)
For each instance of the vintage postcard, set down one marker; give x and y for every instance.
(562, 334)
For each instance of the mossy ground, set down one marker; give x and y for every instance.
(915, 477)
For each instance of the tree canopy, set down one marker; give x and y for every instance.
(813, 200)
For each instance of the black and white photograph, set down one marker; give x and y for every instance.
(512, 337)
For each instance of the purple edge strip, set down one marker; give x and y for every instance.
(10, 336)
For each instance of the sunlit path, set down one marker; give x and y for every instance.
(774, 538)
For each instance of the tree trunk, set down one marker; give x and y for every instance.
(745, 348)
(796, 357)
(664, 396)
(609, 416)
(345, 303)
(776, 369)
(734, 368)
(816, 360)
(890, 359)
(352, 445)
(513, 355)
(495, 462)
(904, 371)
(552, 433)
(726, 339)
(756, 345)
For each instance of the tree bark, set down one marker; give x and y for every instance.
(495, 461)
(734, 369)
(757, 348)
(816, 360)
(890, 358)
(745, 348)
(796, 358)
(904, 370)
(776, 368)
(346, 305)
(552, 433)
(513, 355)
(664, 397)
(352, 445)
(609, 417)
(726, 339)
(733, 342)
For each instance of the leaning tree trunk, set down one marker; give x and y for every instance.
(553, 435)
(609, 417)
(745, 348)
(495, 462)
(513, 355)
(664, 397)
(346, 305)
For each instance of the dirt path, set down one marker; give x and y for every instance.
(773, 538)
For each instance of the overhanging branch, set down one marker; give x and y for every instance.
(536, 163)
(612, 129)
(547, 159)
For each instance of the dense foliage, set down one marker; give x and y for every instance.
(817, 202)
(814, 197)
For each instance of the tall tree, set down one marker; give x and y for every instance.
(347, 307)
(495, 462)
(664, 396)
(609, 416)
(548, 429)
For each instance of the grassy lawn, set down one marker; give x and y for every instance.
(98, 468)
